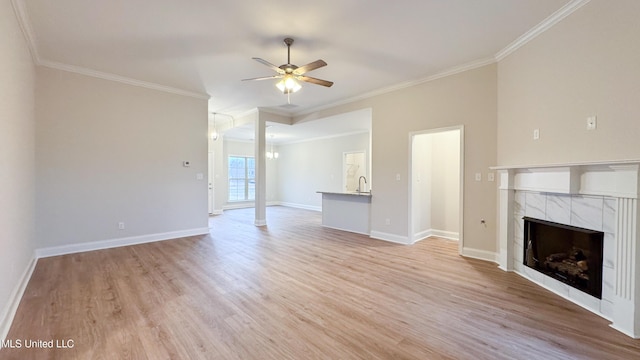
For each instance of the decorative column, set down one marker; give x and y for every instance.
(261, 171)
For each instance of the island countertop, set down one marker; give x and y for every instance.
(348, 211)
(355, 193)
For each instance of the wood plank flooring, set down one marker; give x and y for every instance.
(295, 290)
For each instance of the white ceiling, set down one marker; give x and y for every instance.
(205, 46)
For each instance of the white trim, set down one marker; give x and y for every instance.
(550, 165)
(25, 25)
(398, 239)
(324, 137)
(424, 235)
(112, 243)
(9, 312)
(300, 206)
(449, 235)
(24, 21)
(480, 254)
(407, 84)
(120, 79)
(543, 26)
(239, 205)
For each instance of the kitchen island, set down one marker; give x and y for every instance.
(347, 211)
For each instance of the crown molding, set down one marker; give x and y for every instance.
(121, 79)
(325, 137)
(403, 85)
(273, 111)
(25, 25)
(545, 25)
(24, 21)
(559, 15)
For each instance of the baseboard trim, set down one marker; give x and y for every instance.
(449, 235)
(300, 206)
(113, 243)
(10, 310)
(390, 237)
(480, 254)
(423, 235)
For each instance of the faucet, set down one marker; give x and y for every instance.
(359, 187)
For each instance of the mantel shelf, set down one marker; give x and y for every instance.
(615, 179)
(574, 164)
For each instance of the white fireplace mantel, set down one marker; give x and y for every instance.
(615, 185)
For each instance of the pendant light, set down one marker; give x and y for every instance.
(271, 154)
(214, 133)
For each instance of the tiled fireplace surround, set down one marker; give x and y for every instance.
(597, 196)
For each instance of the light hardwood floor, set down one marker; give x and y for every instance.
(295, 290)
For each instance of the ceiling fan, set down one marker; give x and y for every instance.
(289, 72)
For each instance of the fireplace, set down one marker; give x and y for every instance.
(601, 196)
(569, 254)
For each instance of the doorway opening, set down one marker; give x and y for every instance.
(435, 193)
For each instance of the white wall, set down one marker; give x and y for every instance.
(108, 152)
(585, 65)
(17, 162)
(316, 165)
(421, 183)
(445, 199)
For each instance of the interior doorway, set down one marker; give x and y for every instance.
(436, 191)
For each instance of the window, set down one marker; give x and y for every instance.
(242, 178)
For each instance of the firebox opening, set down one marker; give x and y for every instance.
(566, 253)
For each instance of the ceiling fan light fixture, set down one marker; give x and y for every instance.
(288, 85)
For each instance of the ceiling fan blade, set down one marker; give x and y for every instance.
(315, 81)
(310, 66)
(273, 67)
(265, 78)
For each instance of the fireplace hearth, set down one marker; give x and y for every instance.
(566, 253)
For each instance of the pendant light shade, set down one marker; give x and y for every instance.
(214, 132)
